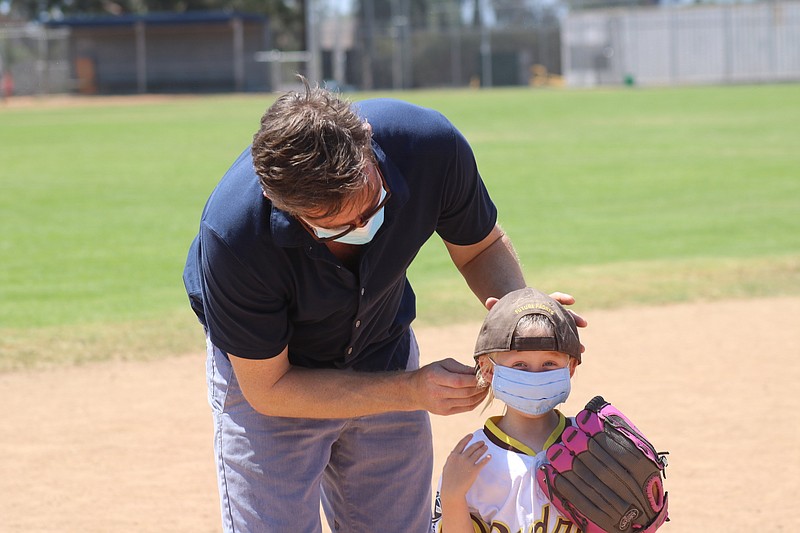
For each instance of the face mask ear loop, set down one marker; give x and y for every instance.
(494, 364)
(491, 385)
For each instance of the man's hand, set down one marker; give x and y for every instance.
(447, 387)
(276, 388)
(567, 299)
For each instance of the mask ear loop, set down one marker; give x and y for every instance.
(479, 374)
(491, 386)
(494, 364)
(483, 383)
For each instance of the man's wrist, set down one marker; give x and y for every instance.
(405, 389)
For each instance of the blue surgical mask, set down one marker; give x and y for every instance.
(361, 235)
(534, 393)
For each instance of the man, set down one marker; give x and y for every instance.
(298, 275)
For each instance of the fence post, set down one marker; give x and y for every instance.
(312, 43)
(774, 6)
(455, 56)
(238, 53)
(141, 57)
(673, 46)
(727, 47)
(367, 80)
(486, 56)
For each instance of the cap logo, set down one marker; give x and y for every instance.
(541, 307)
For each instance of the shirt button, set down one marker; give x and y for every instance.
(362, 291)
(358, 323)
(349, 350)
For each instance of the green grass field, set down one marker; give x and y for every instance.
(621, 197)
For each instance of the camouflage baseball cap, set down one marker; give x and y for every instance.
(497, 332)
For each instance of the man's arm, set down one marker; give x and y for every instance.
(490, 267)
(275, 387)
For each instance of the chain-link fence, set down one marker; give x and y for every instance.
(34, 60)
(683, 45)
(460, 56)
(501, 43)
(494, 43)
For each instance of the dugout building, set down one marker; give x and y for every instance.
(167, 52)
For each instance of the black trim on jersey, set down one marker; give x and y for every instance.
(497, 441)
(502, 444)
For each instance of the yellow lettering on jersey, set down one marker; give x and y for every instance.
(562, 524)
(565, 526)
(499, 527)
(479, 525)
(541, 525)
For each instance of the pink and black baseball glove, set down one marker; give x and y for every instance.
(605, 475)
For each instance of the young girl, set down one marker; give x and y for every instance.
(527, 351)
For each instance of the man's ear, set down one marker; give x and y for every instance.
(490, 302)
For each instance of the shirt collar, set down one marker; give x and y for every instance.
(507, 442)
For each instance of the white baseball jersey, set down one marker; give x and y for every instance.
(505, 497)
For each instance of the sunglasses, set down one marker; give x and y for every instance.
(362, 218)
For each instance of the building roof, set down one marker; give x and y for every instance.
(153, 19)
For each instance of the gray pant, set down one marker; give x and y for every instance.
(371, 474)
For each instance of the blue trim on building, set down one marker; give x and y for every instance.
(155, 19)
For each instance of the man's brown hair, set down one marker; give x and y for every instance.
(311, 152)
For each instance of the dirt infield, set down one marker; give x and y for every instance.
(73, 100)
(118, 447)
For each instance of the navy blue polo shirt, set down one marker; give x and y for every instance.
(259, 282)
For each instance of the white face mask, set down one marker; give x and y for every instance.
(534, 393)
(358, 236)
